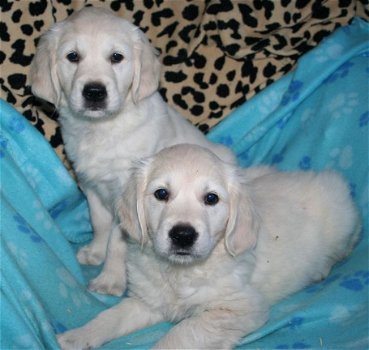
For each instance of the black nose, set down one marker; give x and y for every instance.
(183, 236)
(94, 92)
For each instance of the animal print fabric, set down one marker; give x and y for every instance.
(216, 54)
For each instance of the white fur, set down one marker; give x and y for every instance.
(134, 121)
(270, 234)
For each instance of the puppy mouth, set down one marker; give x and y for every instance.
(94, 113)
(183, 256)
(182, 252)
(95, 106)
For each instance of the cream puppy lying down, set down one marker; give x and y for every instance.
(214, 246)
(102, 75)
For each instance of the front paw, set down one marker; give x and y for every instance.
(90, 255)
(75, 340)
(108, 283)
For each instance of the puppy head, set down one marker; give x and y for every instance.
(184, 201)
(93, 63)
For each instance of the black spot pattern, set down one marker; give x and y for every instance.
(175, 77)
(247, 16)
(197, 110)
(4, 34)
(222, 90)
(177, 98)
(27, 29)
(219, 63)
(17, 16)
(199, 80)
(222, 6)
(168, 30)
(185, 33)
(320, 11)
(269, 70)
(6, 5)
(37, 8)
(190, 12)
(17, 80)
(157, 16)
(39, 24)
(198, 96)
(2, 57)
(18, 56)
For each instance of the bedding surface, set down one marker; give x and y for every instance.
(314, 118)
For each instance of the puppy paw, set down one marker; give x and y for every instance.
(108, 283)
(89, 255)
(74, 340)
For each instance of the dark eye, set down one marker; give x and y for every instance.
(161, 194)
(116, 57)
(73, 57)
(211, 199)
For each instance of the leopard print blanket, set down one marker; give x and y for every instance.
(216, 54)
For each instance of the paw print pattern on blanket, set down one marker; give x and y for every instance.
(21, 255)
(343, 157)
(293, 92)
(340, 73)
(23, 227)
(356, 282)
(68, 288)
(328, 52)
(322, 285)
(343, 104)
(3, 146)
(295, 322)
(305, 163)
(281, 124)
(16, 124)
(363, 120)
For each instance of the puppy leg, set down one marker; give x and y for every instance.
(217, 327)
(95, 252)
(112, 279)
(129, 315)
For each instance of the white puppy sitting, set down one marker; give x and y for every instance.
(213, 246)
(102, 74)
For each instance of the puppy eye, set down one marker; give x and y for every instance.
(73, 57)
(211, 199)
(116, 57)
(161, 194)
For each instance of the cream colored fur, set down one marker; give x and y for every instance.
(102, 138)
(269, 235)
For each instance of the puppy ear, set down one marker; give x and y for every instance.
(43, 73)
(243, 224)
(146, 68)
(130, 206)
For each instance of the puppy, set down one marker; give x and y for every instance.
(102, 74)
(213, 246)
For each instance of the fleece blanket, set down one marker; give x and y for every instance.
(314, 118)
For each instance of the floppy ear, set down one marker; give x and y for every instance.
(146, 68)
(43, 74)
(243, 224)
(130, 206)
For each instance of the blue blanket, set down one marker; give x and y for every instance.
(314, 118)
